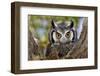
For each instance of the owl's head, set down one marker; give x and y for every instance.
(63, 33)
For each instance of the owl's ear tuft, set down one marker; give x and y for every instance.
(72, 24)
(53, 24)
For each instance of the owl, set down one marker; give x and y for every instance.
(61, 36)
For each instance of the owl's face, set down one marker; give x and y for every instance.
(62, 33)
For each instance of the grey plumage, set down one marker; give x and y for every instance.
(61, 38)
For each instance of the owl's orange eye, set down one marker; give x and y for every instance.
(58, 35)
(68, 34)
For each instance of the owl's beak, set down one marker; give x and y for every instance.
(64, 41)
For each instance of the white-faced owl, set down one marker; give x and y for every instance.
(61, 38)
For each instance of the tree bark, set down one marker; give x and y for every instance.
(33, 53)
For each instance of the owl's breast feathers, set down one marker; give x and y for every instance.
(57, 51)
